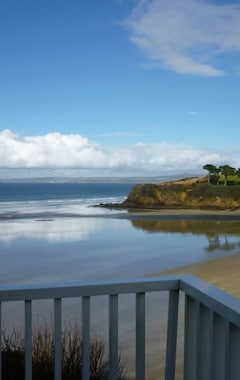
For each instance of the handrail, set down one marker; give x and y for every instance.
(212, 323)
(217, 300)
(79, 289)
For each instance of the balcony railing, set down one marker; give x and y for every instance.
(211, 327)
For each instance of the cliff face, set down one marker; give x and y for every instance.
(176, 195)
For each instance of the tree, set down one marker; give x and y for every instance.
(215, 175)
(212, 170)
(226, 171)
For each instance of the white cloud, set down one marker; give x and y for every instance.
(58, 151)
(185, 36)
(52, 150)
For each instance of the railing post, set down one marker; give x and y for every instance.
(191, 338)
(28, 340)
(212, 326)
(205, 343)
(1, 333)
(172, 335)
(220, 348)
(58, 339)
(234, 353)
(113, 336)
(85, 338)
(140, 336)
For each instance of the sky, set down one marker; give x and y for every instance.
(118, 87)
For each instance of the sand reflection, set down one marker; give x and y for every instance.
(220, 235)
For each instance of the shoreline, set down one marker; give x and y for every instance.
(222, 272)
(181, 212)
(144, 214)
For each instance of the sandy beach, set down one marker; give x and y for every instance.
(222, 272)
(155, 241)
(150, 213)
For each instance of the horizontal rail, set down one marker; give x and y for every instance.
(215, 299)
(212, 324)
(71, 290)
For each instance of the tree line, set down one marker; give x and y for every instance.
(215, 172)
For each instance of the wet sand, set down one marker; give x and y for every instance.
(222, 273)
(187, 212)
(148, 213)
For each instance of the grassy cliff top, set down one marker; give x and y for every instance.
(187, 193)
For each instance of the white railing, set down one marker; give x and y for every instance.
(212, 324)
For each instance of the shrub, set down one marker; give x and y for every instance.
(43, 355)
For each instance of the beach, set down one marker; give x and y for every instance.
(52, 240)
(179, 213)
(222, 272)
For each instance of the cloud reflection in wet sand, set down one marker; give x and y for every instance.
(51, 230)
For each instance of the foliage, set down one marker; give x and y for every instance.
(225, 171)
(211, 191)
(213, 172)
(43, 355)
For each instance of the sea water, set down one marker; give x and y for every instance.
(49, 232)
(58, 199)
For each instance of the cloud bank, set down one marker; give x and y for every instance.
(59, 151)
(188, 37)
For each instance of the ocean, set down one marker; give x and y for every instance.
(50, 232)
(58, 199)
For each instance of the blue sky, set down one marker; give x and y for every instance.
(119, 87)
